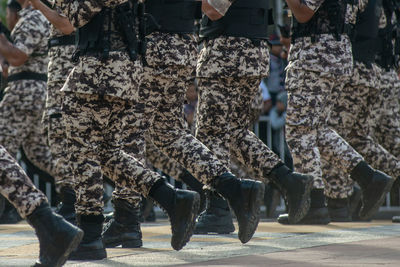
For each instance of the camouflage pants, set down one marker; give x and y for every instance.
(99, 129)
(159, 160)
(17, 187)
(166, 95)
(309, 137)
(386, 112)
(223, 121)
(55, 132)
(20, 122)
(351, 117)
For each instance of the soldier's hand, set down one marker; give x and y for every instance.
(210, 11)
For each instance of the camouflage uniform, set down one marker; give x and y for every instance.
(351, 117)
(316, 74)
(162, 162)
(60, 65)
(385, 123)
(17, 187)
(225, 97)
(22, 106)
(103, 118)
(171, 60)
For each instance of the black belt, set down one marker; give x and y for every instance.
(62, 40)
(27, 75)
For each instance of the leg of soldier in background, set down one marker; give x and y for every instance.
(222, 124)
(385, 126)
(168, 133)
(218, 218)
(350, 117)
(32, 204)
(97, 132)
(124, 228)
(311, 139)
(385, 123)
(56, 140)
(20, 113)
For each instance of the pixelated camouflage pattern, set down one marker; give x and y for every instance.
(59, 151)
(351, 117)
(385, 122)
(60, 65)
(162, 162)
(30, 36)
(310, 101)
(79, 12)
(326, 55)
(221, 6)
(223, 121)
(20, 114)
(168, 132)
(16, 186)
(166, 49)
(98, 130)
(233, 56)
(117, 76)
(164, 89)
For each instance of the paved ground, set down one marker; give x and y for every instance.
(338, 244)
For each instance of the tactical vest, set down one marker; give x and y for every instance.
(329, 19)
(387, 53)
(172, 16)
(364, 43)
(112, 29)
(244, 18)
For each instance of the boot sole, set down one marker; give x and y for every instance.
(191, 223)
(76, 240)
(378, 204)
(125, 244)
(304, 206)
(97, 254)
(257, 192)
(214, 231)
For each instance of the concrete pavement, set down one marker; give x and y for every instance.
(337, 244)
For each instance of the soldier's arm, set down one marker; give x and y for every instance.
(215, 9)
(303, 10)
(12, 54)
(59, 21)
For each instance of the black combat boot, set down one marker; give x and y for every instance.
(217, 217)
(182, 208)
(355, 201)
(57, 237)
(66, 207)
(374, 187)
(295, 188)
(91, 247)
(245, 198)
(339, 209)
(195, 185)
(124, 228)
(317, 214)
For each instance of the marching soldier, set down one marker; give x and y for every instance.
(351, 114)
(320, 64)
